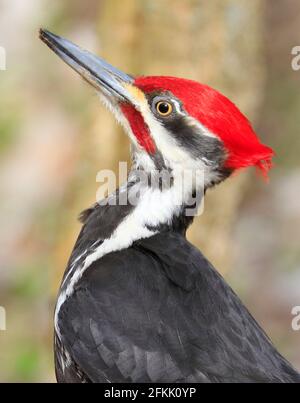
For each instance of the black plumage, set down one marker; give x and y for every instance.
(159, 312)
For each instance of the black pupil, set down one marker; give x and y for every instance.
(164, 107)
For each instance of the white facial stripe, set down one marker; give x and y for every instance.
(164, 141)
(175, 156)
(177, 107)
(195, 123)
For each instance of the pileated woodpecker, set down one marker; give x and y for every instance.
(138, 302)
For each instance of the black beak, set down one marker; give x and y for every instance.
(112, 82)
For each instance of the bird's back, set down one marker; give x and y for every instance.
(159, 312)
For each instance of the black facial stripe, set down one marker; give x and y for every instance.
(188, 136)
(197, 144)
(158, 160)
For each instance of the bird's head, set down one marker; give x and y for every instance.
(173, 123)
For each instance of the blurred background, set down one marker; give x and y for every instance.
(55, 137)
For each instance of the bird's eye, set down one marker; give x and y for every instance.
(164, 108)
